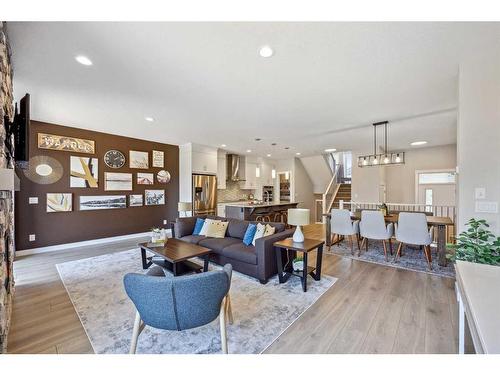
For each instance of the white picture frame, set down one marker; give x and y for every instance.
(138, 159)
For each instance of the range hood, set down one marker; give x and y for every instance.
(234, 164)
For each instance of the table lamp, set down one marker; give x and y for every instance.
(184, 207)
(298, 217)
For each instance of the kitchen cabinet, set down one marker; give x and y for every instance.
(249, 173)
(221, 210)
(221, 170)
(204, 162)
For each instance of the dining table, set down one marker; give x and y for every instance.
(438, 222)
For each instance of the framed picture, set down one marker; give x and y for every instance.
(102, 202)
(145, 179)
(114, 181)
(59, 202)
(139, 159)
(158, 159)
(63, 143)
(163, 177)
(154, 197)
(135, 200)
(84, 172)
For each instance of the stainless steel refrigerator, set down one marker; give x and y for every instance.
(204, 194)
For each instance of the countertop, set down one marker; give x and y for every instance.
(260, 205)
(478, 286)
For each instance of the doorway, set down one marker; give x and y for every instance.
(435, 187)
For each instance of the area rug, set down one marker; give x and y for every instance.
(261, 312)
(412, 259)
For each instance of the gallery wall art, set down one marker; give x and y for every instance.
(163, 177)
(145, 178)
(59, 202)
(63, 143)
(114, 159)
(43, 170)
(158, 159)
(84, 172)
(154, 197)
(139, 159)
(102, 202)
(117, 181)
(135, 200)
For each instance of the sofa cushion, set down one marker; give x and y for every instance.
(198, 225)
(237, 228)
(184, 226)
(217, 244)
(249, 234)
(241, 252)
(217, 229)
(259, 232)
(193, 238)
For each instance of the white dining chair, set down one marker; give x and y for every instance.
(372, 227)
(412, 230)
(342, 225)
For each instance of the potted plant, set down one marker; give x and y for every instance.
(477, 244)
(298, 263)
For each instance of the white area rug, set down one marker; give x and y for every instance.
(261, 312)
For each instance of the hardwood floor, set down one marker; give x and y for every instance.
(370, 309)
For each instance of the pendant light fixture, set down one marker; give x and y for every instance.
(385, 158)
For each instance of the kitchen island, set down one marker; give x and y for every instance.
(249, 211)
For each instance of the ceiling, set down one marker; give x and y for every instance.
(206, 83)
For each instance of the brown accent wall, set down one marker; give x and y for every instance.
(65, 227)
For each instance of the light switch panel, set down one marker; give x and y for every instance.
(480, 193)
(487, 207)
(33, 200)
(32, 237)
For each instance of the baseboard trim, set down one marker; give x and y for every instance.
(46, 249)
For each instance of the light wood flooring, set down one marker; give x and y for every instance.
(370, 309)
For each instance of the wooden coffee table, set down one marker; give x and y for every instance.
(304, 247)
(175, 254)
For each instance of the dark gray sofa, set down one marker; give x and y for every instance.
(258, 261)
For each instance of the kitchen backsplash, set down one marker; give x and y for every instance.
(233, 193)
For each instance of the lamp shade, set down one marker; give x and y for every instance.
(184, 206)
(298, 216)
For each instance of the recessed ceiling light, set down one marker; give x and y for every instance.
(268, 155)
(330, 149)
(266, 51)
(418, 143)
(149, 119)
(287, 148)
(297, 153)
(258, 139)
(84, 60)
(273, 144)
(249, 150)
(223, 145)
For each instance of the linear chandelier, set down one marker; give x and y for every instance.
(385, 158)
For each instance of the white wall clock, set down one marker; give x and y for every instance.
(114, 159)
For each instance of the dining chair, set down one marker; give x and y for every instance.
(342, 225)
(411, 229)
(372, 227)
(179, 303)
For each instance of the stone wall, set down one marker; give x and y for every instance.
(6, 201)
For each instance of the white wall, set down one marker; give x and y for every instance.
(318, 171)
(185, 172)
(399, 180)
(304, 190)
(478, 135)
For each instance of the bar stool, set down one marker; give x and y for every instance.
(281, 216)
(265, 218)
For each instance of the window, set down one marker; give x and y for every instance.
(428, 200)
(436, 178)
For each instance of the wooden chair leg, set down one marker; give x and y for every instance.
(428, 256)
(366, 244)
(357, 240)
(362, 245)
(138, 327)
(229, 309)
(398, 251)
(390, 246)
(222, 321)
(385, 251)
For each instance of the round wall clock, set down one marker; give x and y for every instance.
(114, 159)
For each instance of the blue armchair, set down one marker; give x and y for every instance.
(179, 303)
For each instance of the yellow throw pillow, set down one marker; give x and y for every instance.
(217, 229)
(204, 228)
(269, 230)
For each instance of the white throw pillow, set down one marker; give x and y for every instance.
(269, 230)
(217, 229)
(204, 228)
(259, 232)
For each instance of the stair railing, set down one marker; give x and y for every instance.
(331, 191)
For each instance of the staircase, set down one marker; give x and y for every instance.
(344, 193)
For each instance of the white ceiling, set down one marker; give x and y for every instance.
(206, 83)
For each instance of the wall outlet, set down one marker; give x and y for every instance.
(480, 193)
(33, 200)
(164, 222)
(32, 237)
